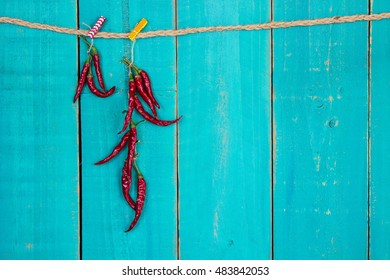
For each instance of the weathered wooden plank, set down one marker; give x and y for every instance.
(224, 137)
(38, 143)
(380, 128)
(105, 212)
(320, 90)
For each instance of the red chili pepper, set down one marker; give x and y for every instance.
(93, 88)
(147, 84)
(130, 158)
(126, 184)
(131, 104)
(142, 92)
(150, 118)
(82, 79)
(116, 150)
(96, 63)
(141, 193)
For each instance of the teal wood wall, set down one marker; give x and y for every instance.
(283, 151)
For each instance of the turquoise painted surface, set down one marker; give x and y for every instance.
(38, 142)
(321, 95)
(380, 127)
(270, 160)
(224, 138)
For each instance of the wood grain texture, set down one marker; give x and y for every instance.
(38, 142)
(224, 138)
(380, 129)
(320, 91)
(105, 212)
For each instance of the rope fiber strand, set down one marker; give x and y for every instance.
(186, 31)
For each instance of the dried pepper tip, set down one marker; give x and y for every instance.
(116, 150)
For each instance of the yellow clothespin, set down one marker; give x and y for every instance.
(137, 29)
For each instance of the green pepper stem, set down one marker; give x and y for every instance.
(128, 62)
(136, 68)
(137, 169)
(85, 40)
(93, 49)
(131, 75)
(132, 124)
(131, 64)
(141, 121)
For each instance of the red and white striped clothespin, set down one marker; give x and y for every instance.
(96, 27)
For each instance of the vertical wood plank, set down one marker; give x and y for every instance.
(224, 150)
(105, 212)
(320, 91)
(38, 143)
(380, 127)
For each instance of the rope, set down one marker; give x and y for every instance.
(186, 31)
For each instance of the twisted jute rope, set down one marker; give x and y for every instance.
(186, 31)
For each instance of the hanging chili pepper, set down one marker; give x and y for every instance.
(150, 118)
(129, 165)
(141, 193)
(131, 103)
(82, 78)
(116, 150)
(142, 92)
(93, 88)
(96, 63)
(140, 88)
(147, 84)
(126, 184)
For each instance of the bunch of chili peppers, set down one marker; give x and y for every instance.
(139, 83)
(87, 76)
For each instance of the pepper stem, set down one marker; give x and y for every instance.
(137, 169)
(90, 71)
(132, 124)
(131, 65)
(128, 62)
(93, 49)
(136, 69)
(131, 75)
(141, 121)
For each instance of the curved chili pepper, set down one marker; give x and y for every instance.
(116, 150)
(141, 193)
(92, 87)
(82, 79)
(150, 118)
(141, 90)
(126, 184)
(98, 70)
(147, 84)
(131, 105)
(91, 83)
